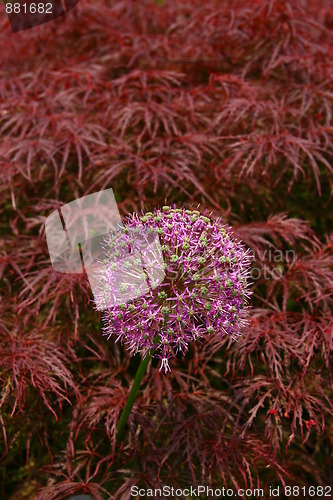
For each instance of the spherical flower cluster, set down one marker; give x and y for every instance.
(204, 290)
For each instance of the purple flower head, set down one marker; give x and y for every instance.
(204, 290)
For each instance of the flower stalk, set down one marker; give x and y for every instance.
(131, 398)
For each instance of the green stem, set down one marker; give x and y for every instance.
(131, 398)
